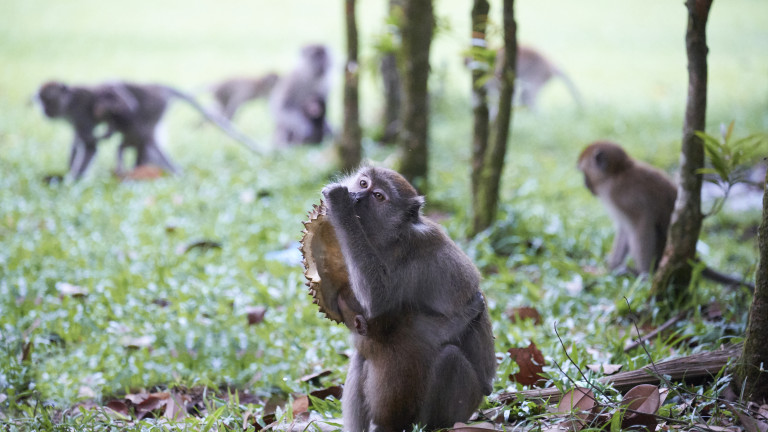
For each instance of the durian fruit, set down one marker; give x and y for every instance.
(324, 265)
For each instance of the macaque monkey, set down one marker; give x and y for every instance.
(422, 334)
(298, 100)
(640, 200)
(133, 110)
(534, 71)
(232, 93)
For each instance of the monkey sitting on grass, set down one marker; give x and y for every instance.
(424, 345)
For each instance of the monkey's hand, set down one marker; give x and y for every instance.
(337, 199)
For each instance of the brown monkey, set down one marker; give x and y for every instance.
(640, 200)
(232, 93)
(534, 71)
(133, 110)
(299, 99)
(424, 345)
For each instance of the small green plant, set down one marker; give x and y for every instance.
(729, 159)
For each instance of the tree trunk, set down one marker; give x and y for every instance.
(349, 146)
(416, 30)
(479, 105)
(755, 354)
(488, 159)
(390, 75)
(674, 271)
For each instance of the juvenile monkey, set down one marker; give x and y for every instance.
(133, 110)
(232, 93)
(424, 345)
(640, 200)
(534, 71)
(299, 99)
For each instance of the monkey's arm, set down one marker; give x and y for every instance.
(619, 249)
(455, 326)
(643, 245)
(370, 277)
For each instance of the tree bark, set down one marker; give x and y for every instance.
(673, 274)
(390, 75)
(416, 30)
(349, 146)
(488, 159)
(755, 352)
(481, 117)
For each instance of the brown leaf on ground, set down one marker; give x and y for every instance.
(69, 290)
(144, 172)
(531, 363)
(203, 245)
(137, 342)
(579, 401)
(176, 406)
(521, 313)
(154, 402)
(334, 391)
(137, 398)
(300, 405)
(314, 377)
(255, 314)
(118, 406)
(475, 427)
(605, 368)
(644, 400)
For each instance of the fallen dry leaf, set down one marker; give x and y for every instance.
(314, 377)
(605, 368)
(67, 289)
(144, 172)
(300, 405)
(523, 313)
(137, 342)
(118, 406)
(475, 427)
(581, 402)
(531, 363)
(644, 400)
(255, 314)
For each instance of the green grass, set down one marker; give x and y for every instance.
(123, 242)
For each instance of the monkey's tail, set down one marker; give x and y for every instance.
(217, 120)
(725, 279)
(571, 86)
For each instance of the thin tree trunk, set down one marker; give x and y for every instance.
(349, 146)
(390, 75)
(674, 271)
(480, 134)
(417, 28)
(487, 180)
(755, 354)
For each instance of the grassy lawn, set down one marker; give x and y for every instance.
(101, 295)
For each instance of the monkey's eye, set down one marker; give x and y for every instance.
(379, 196)
(363, 183)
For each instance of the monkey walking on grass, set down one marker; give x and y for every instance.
(133, 110)
(421, 330)
(640, 200)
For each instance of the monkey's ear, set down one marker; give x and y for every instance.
(414, 206)
(601, 160)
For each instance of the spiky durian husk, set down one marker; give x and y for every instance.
(324, 265)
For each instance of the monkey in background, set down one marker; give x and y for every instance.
(424, 343)
(133, 110)
(299, 99)
(230, 94)
(640, 200)
(533, 72)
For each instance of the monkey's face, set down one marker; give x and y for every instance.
(600, 161)
(54, 97)
(384, 200)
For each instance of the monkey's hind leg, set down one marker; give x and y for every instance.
(454, 390)
(354, 407)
